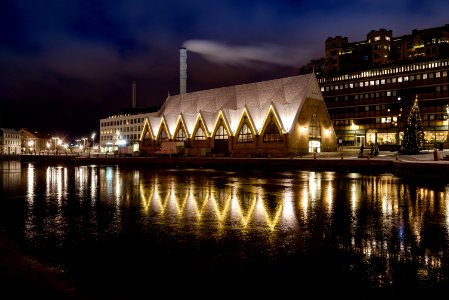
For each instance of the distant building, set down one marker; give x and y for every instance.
(275, 118)
(35, 142)
(123, 129)
(10, 142)
(368, 86)
(381, 48)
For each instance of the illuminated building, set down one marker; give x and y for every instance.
(274, 118)
(122, 130)
(10, 142)
(369, 86)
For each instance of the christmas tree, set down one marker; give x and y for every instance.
(413, 141)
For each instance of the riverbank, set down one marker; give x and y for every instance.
(425, 164)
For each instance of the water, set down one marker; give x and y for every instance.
(113, 232)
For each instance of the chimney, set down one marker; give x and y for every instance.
(182, 70)
(134, 95)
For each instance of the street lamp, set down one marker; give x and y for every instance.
(30, 146)
(93, 140)
(447, 112)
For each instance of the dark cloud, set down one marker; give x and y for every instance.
(66, 64)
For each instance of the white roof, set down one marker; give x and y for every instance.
(285, 96)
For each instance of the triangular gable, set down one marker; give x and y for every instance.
(171, 121)
(295, 92)
(200, 123)
(249, 121)
(277, 120)
(314, 91)
(163, 126)
(190, 122)
(233, 116)
(146, 129)
(222, 117)
(155, 123)
(180, 124)
(209, 119)
(258, 115)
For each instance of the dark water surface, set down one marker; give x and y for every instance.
(112, 232)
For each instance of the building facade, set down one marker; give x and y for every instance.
(272, 118)
(121, 131)
(10, 142)
(35, 142)
(369, 86)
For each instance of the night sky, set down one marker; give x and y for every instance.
(66, 64)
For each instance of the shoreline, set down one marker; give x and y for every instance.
(419, 166)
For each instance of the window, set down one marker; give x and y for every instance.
(180, 135)
(271, 133)
(199, 135)
(245, 134)
(314, 129)
(221, 133)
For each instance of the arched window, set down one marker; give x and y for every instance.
(245, 134)
(314, 128)
(221, 133)
(199, 135)
(180, 135)
(271, 133)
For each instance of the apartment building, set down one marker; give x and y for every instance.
(369, 86)
(10, 142)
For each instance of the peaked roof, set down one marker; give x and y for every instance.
(286, 95)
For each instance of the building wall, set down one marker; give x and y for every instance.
(372, 104)
(124, 128)
(10, 142)
(294, 142)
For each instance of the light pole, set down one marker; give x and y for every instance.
(447, 112)
(93, 141)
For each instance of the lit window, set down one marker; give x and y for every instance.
(199, 135)
(180, 135)
(221, 133)
(271, 133)
(245, 134)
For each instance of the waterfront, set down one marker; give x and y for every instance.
(122, 232)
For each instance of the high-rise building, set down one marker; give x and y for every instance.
(369, 86)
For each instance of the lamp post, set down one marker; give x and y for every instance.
(447, 112)
(93, 141)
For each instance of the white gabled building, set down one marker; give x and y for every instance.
(280, 117)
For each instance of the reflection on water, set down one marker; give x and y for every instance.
(384, 229)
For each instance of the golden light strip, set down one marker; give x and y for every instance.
(222, 117)
(222, 214)
(146, 127)
(251, 123)
(180, 123)
(165, 128)
(199, 118)
(245, 219)
(279, 124)
(275, 220)
(146, 197)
